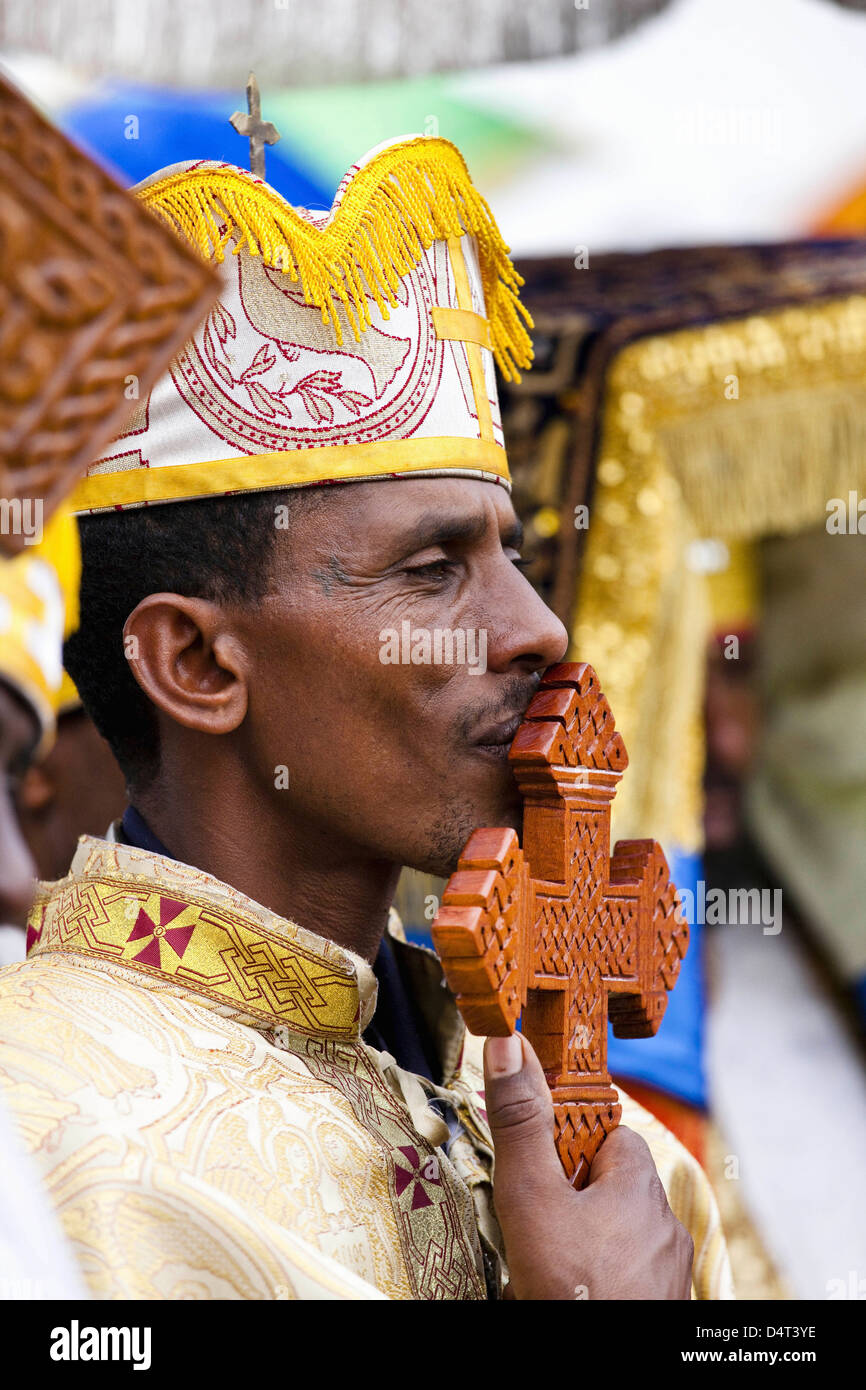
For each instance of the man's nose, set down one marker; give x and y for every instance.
(531, 635)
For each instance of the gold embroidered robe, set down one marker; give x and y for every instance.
(188, 1072)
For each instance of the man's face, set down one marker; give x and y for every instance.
(384, 746)
(18, 736)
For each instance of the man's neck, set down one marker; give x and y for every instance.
(306, 877)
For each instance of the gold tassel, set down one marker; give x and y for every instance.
(753, 471)
(391, 211)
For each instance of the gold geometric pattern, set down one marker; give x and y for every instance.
(226, 956)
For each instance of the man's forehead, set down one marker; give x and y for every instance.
(417, 512)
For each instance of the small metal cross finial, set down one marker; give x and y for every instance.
(258, 132)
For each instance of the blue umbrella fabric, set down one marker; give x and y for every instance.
(135, 130)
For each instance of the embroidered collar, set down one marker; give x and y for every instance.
(176, 925)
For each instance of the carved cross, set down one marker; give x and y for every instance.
(559, 931)
(96, 297)
(258, 132)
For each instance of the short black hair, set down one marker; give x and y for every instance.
(217, 548)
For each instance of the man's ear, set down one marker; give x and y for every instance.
(188, 662)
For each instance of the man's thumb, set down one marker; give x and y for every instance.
(520, 1112)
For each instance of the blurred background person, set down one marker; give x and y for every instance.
(76, 789)
(38, 606)
(38, 603)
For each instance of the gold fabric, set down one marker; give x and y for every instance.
(734, 590)
(732, 430)
(188, 1072)
(38, 608)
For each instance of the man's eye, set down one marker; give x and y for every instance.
(437, 569)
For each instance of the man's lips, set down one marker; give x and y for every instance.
(496, 739)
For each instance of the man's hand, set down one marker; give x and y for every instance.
(618, 1238)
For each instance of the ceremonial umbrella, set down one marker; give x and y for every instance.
(137, 129)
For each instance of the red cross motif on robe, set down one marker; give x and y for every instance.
(34, 931)
(178, 938)
(559, 931)
(417, 1174)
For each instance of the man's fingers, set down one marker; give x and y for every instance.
(624, 1158)
(618, 1237)
(520, 1113)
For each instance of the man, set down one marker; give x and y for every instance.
(38, 599)
(76, 789)
(38, 605)
(18, 739)
(220, 1105)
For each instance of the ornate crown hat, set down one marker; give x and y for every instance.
(347, 345)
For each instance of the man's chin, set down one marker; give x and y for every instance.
(448, 837)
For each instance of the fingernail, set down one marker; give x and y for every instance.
(504, 1055)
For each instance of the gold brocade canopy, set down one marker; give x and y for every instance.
(678, 460)
(737, 428)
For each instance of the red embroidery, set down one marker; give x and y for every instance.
(416, 1175)
(178, 938)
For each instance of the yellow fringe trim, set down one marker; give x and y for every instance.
(390, 212)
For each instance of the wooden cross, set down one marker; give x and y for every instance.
(258, 132)
(559, 931)
(96, 296)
